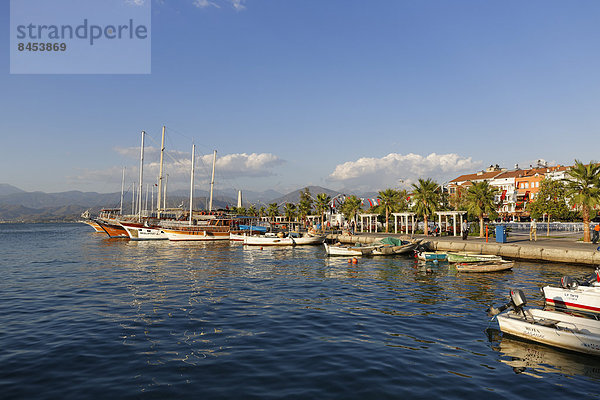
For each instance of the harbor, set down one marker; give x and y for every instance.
(158, 319)
(564, 249)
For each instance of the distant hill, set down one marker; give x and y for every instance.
(294, 197)
(9, 189)
(19, 205)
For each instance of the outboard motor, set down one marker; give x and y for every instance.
(517, 301)
(566, 282)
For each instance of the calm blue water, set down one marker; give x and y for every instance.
(87, 317)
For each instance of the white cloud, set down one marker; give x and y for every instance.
(178, 165)
(205, 3)
(239, 5)
(396, 170)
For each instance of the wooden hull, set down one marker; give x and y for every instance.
(137, 231)
(554, 329)
(488, 267)
(114, 230)
(394, 250)
(196, 234)
(94, 224)
(463, 258)
(583, 298)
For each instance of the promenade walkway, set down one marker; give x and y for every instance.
(563, 248)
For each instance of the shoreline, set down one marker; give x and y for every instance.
(544, 249)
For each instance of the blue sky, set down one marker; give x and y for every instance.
(337, 93)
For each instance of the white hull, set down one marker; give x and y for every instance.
(177, 235)
(144, 232)
(582, 298)
(334, 250)
(286, 241)
(554, 329)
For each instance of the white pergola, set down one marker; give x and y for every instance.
(452, 214)
(404, 221)
(369, 218)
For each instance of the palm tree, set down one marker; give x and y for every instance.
(426, 196)
(305, 204)
(251, 211)
(273, 211)
(479, 200)
(261, 211)
(290, 211)
(350, 207)
(583, 188)
(322, 205)
(389, 198)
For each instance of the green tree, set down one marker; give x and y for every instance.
(583, 188)
(239, 210)
(261, 211)
(305, 204)
(251, 211)
(426, 198)
(323, 201)
(350, 207)
(388, 199)
(290, 211)
(273, 211)
(551, 199)
(479, 201)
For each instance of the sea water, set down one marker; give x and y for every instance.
(84, 316)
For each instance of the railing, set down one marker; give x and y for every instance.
(543, 226)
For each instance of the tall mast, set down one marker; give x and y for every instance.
(165, 192)
(122, 188)
(212, 181)
(133, 199)
(160, 174)
(146, 201)
(192, 182)
(141, 178)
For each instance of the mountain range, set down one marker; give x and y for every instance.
(17, 205)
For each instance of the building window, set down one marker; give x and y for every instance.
(526, 185)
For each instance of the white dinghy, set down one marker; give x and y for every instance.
(552, 328)
(572, 295)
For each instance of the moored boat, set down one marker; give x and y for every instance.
(468, 257)
(341, 250)
(491, 266)
(93, 224)
(552, 328)
(113, 228)
(574, 295)
(216, 229)
(432, 256)
(282, 240)
(392, 246)
(143, 231)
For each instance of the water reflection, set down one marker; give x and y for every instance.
(534, 359)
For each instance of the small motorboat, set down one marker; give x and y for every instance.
(468, 257)
(281, 239)
(339, 249)
(432, 256)
(490, 266)
(575, 295)
(391, 246)
(552, 328)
